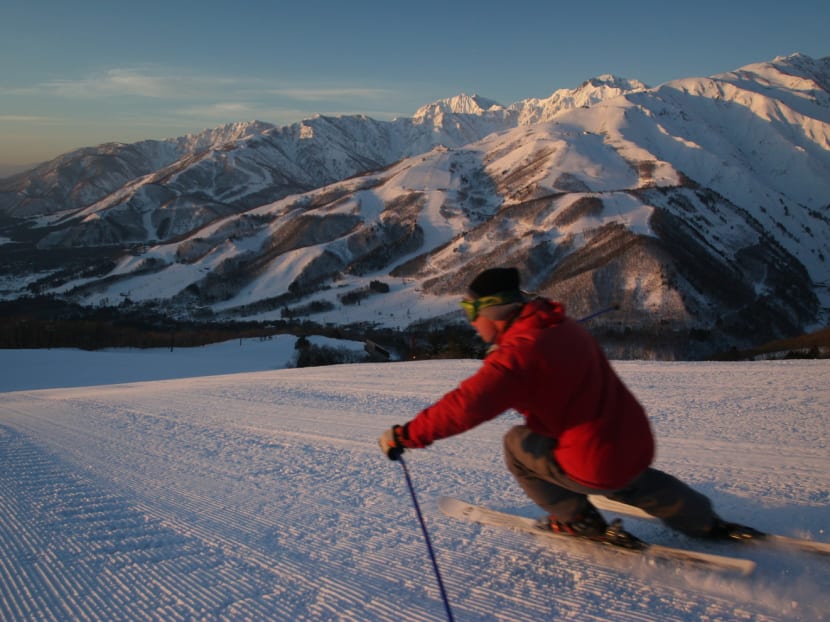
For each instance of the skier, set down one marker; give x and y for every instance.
(584, 432)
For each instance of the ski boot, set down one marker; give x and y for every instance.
(589, 525)
(615, 535)
(592, 526)
(723, 530)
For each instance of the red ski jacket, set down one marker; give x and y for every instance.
(552, 371)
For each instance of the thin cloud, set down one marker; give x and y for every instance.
(171, 84)
(140, 100)
(201, 96)
(130, 82)
(23, 118)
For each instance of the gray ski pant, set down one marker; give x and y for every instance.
(530, 459)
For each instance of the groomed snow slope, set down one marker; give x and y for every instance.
(263, 496)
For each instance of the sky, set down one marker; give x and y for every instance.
(93, 71)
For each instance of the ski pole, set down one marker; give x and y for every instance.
(426, 537)
(600, 312)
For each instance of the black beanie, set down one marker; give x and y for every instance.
(495, 281)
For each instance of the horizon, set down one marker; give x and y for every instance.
(80, 80)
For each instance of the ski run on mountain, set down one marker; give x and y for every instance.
(263, 495)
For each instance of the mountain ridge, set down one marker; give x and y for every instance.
(701, 203)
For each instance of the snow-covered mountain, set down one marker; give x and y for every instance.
(702, 206)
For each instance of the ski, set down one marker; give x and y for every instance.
(801, 544)
(456, 508)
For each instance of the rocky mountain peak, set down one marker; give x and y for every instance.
(459, 104)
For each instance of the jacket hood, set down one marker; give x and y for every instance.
(536, 314)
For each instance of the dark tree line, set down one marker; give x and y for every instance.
(45, 322)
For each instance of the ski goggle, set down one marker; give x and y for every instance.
(472, 307)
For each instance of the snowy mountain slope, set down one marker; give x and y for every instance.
(81, 178)
(591, 92)
(764, 155)
(244, 164)
(230, 169)
(264, 496)
(701, 205)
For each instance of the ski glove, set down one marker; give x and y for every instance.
(391, 442)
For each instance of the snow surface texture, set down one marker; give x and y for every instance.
(263, 495)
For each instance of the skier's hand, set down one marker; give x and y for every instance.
(390, 442)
